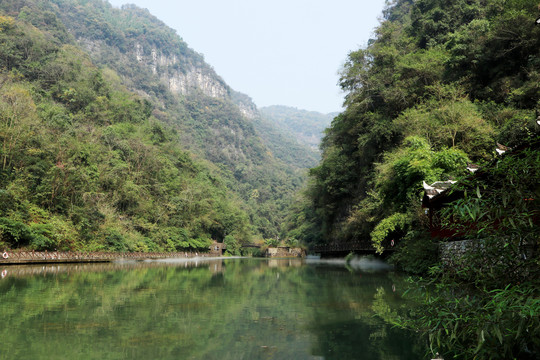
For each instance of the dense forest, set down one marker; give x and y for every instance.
(116, 135)
(440, 88)
(284, 144)
(439, 85)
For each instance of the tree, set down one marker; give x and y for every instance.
(233, 247)
(18, 119)
(449, 119)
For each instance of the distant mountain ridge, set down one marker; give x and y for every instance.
(306, 126)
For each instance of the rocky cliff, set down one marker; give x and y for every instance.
(182, 78)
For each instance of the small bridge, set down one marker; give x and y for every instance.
(344, 248)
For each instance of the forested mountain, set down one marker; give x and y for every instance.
(438, 86)
(306, 126)
(115, 134)
(285, 145)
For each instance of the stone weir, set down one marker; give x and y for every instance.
(35, 257)
(284, 252)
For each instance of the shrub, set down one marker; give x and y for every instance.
(42, 237)
(115, 240)
(233, 248)
(15, 233)
(416, 253)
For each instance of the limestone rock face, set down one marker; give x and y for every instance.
(245, 105)
(182, 78)
(196, 79)
(180, 74)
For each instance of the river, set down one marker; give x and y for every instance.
(208, 309)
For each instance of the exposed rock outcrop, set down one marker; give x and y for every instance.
(182, 78)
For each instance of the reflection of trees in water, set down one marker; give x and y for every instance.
(227, 309)
(215, 265)
(354, 332)
(358, 339)
(282, 263)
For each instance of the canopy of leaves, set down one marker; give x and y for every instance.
(454, 76)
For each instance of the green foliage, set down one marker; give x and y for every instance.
(43, 237)
(485, 324)
(88, 96)
(451, 76)
(389, 226)
(233, 247)
(115, 241)
(85, 165)
(201, 244)
(292, 242)
(301, 223)
(440, 83)
(272, 242)
(306, 126)
(448, 120)
(15, 232)
(284, 145)
(36, 236)
(400, 175)
(173, 239)
(416, 253)
(6, 23)
(496, 316)
(504, 213)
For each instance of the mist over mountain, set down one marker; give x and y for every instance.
(306, 126)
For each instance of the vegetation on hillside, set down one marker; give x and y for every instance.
(86, 164)
(307, 126)
(284, 145)
(100, 37)
(440, 84)
(438, 87)
(485, 306)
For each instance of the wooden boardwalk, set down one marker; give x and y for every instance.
(37, 257)
(347, 247)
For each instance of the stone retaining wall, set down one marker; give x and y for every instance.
(452, 252)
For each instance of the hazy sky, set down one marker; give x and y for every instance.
(279, 52)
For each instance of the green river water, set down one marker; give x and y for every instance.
(212, 309)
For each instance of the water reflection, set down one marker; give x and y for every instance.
(41, 269)
(211, 309)
(358, 263)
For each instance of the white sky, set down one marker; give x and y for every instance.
(279, 52)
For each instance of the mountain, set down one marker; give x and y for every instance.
(306, 126)
(129, 140)
(284, 145)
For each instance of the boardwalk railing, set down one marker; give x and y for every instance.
(19, 256)
(350, 246)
